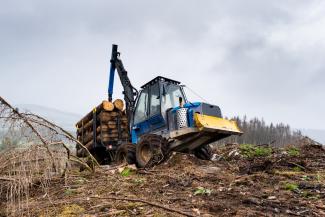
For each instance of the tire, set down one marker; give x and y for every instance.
(149, 146)
(125, 153)
(203, 152)
(101, 155)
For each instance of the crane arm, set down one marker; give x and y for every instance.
(130, 93)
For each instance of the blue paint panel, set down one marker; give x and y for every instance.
(134, 137)
(188, 105)
(190, 118)
(156, 122)
(140, 129)
(153, 123)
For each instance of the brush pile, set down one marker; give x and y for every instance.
(33, 153)
(104, 126)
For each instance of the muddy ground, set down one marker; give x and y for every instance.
(243, 180)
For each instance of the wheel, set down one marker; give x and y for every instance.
(150, 150)
(125, 153)
(203, 152)
(102, 156)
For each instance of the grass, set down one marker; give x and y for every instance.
(72, 210)
(250, 150)
(291, 186)
(138, 181)
(305, 178)
(70, 191)
(293, 151)
(202, 191)
(81, 181)
(126, 172)
(297, 169)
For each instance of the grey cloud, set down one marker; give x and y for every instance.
(261, 58)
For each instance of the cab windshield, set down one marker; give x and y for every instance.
(170, 98)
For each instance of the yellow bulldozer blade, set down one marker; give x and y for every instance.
(216, 124)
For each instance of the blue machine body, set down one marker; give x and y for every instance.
(160, 124)
(165, 93)
(154, 109)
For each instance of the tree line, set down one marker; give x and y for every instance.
(257, 132)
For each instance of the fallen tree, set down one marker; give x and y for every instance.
(34, 151)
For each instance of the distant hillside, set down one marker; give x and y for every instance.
(317, 135)
(65, 120)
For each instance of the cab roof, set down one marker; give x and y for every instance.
(160, 78)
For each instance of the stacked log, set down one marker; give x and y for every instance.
(107, 122)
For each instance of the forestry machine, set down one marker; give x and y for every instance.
(161, 120)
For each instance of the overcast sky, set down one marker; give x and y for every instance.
(260, 58)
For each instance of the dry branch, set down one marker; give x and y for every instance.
(149, 203)
(67, 135)
(40, 155)
(24, 119)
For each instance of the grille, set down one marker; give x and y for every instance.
(181, 118)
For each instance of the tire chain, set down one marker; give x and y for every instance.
(158, 145)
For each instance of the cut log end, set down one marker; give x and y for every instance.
(119, 104)
(108, 106)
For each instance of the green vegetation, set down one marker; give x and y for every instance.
(138, 181)
(202, 191)
(318, 177)
(297, 169)
(293, 151)
(70, 191)
(291, 186)
(81, 181)
(126, 172)
(72, 210)
(250, 151)
(305, 178)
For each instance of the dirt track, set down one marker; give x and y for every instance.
(282, 182)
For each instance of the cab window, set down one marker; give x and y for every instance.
(154, 100)
(141, 109)
(171, 96)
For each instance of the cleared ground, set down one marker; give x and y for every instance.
(244, 180)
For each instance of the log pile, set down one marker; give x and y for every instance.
(107, 122)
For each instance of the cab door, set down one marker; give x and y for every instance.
(156, 120)
(140, 121)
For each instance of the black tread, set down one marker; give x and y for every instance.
(126, 152)
(203, 153)
(155, 142)
(101, 155)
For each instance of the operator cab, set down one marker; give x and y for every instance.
(156, 98)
